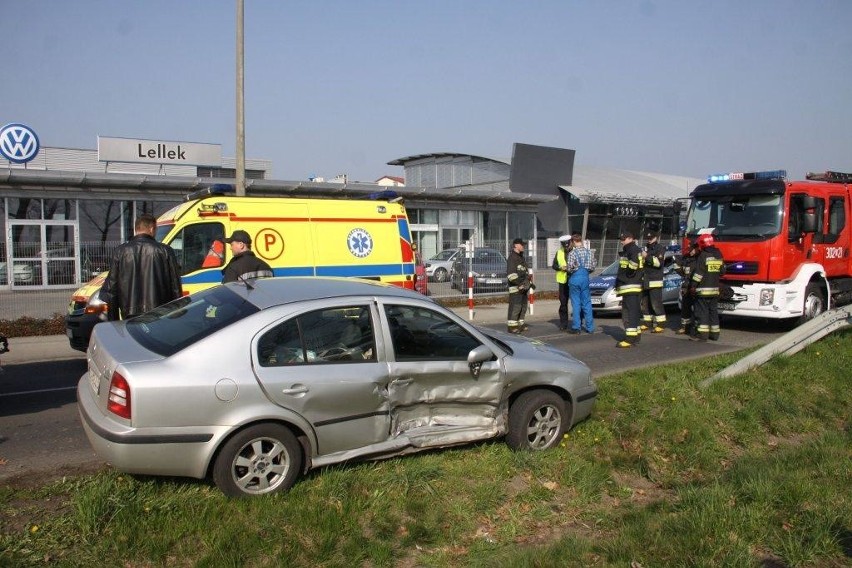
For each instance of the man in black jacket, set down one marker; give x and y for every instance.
(143, 274)
(244, 265)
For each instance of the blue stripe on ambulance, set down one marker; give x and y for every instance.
(215, 276)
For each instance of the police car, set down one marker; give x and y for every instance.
(602, 286)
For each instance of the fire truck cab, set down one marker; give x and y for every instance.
(786, 244)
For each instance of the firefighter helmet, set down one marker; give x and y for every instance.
(705, 240)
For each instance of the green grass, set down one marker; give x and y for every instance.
(754, 469)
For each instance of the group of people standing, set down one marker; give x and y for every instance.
(144, 273)
(574, 262)
(639, 282)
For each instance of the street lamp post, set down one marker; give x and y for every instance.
(241, 124)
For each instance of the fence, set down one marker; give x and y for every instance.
(488, 260)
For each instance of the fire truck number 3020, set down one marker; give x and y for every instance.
(834, 252)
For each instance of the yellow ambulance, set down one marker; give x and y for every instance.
(362, 238)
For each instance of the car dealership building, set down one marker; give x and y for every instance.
(64, 209)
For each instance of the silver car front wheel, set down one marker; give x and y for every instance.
(536, 421)
(259, 460)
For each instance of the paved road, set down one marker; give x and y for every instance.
(40, 430)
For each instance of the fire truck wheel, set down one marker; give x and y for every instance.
(814, 302)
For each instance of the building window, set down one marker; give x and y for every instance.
(228, 173)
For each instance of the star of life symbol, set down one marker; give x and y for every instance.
(18, 143)
(360, 243)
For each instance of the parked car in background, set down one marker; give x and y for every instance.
(439, 266)
(22, 273)
(257, 384)
(602, 287)
(489, 271)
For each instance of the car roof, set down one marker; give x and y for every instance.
(266, 292)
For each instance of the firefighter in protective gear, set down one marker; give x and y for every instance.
(685, 266)
(709, 268)
(519, 286)
(653, 312)
(628, 285)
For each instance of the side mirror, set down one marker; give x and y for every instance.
(476, 357)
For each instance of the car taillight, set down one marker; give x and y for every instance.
(119, 396)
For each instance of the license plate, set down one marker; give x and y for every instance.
(597, 301)
(730, 306)
(493, 281)
(69, 334)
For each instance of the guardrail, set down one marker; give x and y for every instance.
(789, 343)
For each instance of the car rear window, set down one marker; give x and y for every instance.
(178, 324)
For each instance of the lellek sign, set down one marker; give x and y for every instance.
(158, 152)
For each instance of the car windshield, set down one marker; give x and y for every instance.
(610, 270)
(182, 322)
(444, 255)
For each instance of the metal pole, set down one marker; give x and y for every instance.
(241, 124)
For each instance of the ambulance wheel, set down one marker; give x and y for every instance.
(814, 302)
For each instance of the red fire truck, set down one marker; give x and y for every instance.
(785, 243)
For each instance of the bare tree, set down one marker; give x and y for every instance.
(102, 215)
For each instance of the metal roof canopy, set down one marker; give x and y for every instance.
(95, 185)
(601, 185)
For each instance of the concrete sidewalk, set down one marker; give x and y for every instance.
(56, 347)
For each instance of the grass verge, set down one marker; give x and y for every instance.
(752, 471)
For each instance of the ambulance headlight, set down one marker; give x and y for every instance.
(767, 297)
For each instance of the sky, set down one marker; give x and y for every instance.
(682, 87)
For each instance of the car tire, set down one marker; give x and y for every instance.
(440, 275)
(536, 421)
(259, 460)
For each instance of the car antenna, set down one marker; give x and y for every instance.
(246, 282)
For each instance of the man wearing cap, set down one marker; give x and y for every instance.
(653, 312)
(628, 285)
(244, 265)
(519, 284)
(560, 264)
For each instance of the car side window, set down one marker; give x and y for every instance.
(334, 335)
(421, 334)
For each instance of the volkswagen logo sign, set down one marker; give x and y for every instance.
(18, 143)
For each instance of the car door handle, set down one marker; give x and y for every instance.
(301, 389)
(403, 382)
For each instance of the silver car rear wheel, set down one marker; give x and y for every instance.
(259, 460)
(536, 421)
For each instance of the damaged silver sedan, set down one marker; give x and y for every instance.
(255, 384)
